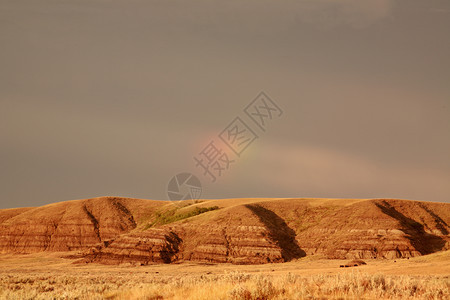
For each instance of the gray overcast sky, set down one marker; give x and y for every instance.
(114, 97)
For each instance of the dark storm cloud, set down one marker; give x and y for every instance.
(116, 97)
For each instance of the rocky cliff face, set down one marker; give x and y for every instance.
(152, 246)
(235, 244)
(378, 229)
(66, 226)
(118, 230)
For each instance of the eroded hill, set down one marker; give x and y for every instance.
(115, 230)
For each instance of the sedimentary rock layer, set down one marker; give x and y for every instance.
(112, 230)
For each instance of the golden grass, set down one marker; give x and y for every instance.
(48, 276)
(173, 215)
(442, 256)
(231, 285)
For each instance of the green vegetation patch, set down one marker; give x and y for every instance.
(170, 216)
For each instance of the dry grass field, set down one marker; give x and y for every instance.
(113, 248)
(49, 276)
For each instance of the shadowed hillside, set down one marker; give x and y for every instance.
(113, 230)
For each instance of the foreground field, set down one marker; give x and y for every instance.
(40, 276)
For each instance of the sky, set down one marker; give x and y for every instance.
(114, 98)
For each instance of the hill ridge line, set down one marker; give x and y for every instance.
(243, 230)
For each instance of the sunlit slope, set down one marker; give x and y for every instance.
(114, 230)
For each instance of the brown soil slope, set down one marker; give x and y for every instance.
(70, 225)
(116, 230)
